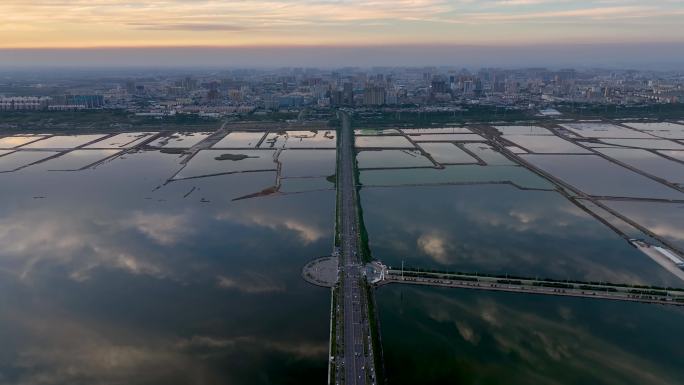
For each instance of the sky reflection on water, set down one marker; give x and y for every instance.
(109, 278)
(499, 229)
(472, 337)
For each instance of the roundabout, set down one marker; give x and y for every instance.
(321, 271)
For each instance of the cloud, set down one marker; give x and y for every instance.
(165, 229)
(301, 349)
(33, 240)
(571, 15)
(467, 333)
(255, 12)
(533, 332)
(211, 22)
(119, 260)
(57, 347)
(664, 219)
(522, 2)
(197, 27)
(307, 232)
(436, 246)
(250, 282)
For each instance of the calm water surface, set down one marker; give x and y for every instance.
(114, 275)
(448, 336)
(108, 276)
(499, 229)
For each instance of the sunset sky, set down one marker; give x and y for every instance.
(126, 23)
(339, 32)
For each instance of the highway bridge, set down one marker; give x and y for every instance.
(355, 361)
(599, 290)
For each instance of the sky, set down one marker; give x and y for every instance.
(87, 27)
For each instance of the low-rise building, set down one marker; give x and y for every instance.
(18, 103)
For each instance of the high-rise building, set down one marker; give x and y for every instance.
(271, 102)
(130, 87)
(391, 96)
(235, 95)
(438, 86)
(468, 87)
(213, 95)
(336, 98)
(348, 94)
(189, 83)
(374, 95)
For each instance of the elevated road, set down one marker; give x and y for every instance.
(607, 291)
(356, 360)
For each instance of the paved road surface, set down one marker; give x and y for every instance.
(534, 286)
(355, 309)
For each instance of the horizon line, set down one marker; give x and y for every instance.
(346, 45)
